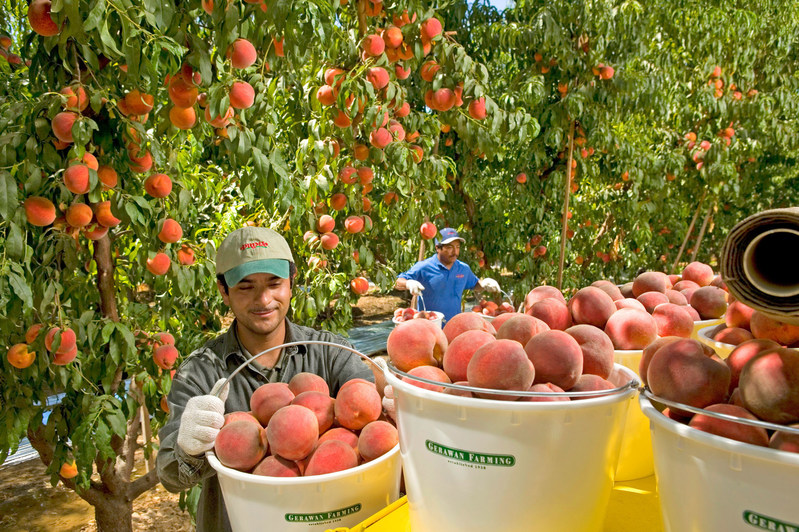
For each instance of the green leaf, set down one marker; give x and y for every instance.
(15, 243)
(21, 289)
(8, 195)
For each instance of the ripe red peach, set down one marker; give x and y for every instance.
(540, 292)
(629, 302)
(732, 335)
(497, 322)
(591, 305)
(321, 404)
(631, 329)
(501, 365)
(676, 297)
(681, 285)
(709, 301)
(268, 399)
(650, 300)
(609, 288)
(627, 290)
(306, 381)
(597, 349)
(553, 312)
(698, 272)
(785, 441)
(521, 328)
(769, 385)
(241, 445)
(673, 320)
(329, 457)
(39, 211)
(763, 326)
(649, 352)
(738, 315)
(651, 282)
(357, 404)
(340, 433)
(277, 466)
(460, 352)
(230, 417)
(547, 388)
(730, 429)
(466, 321)
(376, 439)
(742, 354)
(292, 432)
(416, 343)
(431, 373)
(591, 383)
(556, 357)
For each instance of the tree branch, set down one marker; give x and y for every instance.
(142, 484)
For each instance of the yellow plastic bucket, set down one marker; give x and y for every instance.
(635, 457)
(490, 465)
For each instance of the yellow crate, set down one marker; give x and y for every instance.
(633, 507)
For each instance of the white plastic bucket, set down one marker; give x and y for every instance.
(708, 483)
(342, 499)
(480, 464)
(635, 457)
(439, 318)
(701, 324)
(705, 335)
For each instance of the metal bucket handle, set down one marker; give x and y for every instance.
(726, 417)
(633, 384)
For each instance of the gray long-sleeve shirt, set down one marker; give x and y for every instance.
(218, 358)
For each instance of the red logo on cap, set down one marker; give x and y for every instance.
(252, 245)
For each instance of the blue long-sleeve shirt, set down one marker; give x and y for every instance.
(443, 287)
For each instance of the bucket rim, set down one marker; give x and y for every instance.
(712, 440)
(298, 481)
(586, 398)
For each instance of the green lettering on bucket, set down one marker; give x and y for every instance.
(768, 523)
(499, 460)
(323, 516)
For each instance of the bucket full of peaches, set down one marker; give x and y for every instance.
(492, 305)
(303, 460)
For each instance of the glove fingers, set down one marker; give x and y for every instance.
(205, 434)
(209, 419)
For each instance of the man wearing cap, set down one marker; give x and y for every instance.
(255, 275)
(443, 277)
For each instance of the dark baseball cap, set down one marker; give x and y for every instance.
(448, 235)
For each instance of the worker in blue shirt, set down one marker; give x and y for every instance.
(443, 277)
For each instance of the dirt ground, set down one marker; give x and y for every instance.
(28, 503)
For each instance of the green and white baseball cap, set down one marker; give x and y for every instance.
(253, 250)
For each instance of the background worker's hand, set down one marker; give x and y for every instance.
(414, 287)
(489, 284)
(202, 418)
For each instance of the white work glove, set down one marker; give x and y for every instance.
(202, 418)
(414, 287)
(388, 393)
(489, 285)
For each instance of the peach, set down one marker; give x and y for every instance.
(650, 300)
(501, 365)
(545, 388)
(380, 138)
(292, 432)
(329, 457)
(432, 373)
(629, 302)
(62, 125)
(242, 95)
(591, 305)
(103, 215)
(62, 359)
(376, 439)
(181, 93)
(709, 301)
(627, 290)
(68, 469)
(698, 272)
(306, 382)
(183, 117)
(325, 223)
(329, 241)
(552, 312)
(556, 357)
(186, 255)
(321, 404)
(500, 319)
(277, 466)
(268, 399)
(466, 321)
(373, 45)
(241, 53)
(165, 356)
(597, 349)
(219, 121)
(230, 417)
(159, 264)
(763, 326)
(681, 372)
(40, 19)
(631, 329)
(341, 434)
(769, 385)
(732, 335)
(19, 356)
(353, 224)
(591, 383)
(33, 332)
(540, 292)
(357, 404)
(77, 99)
(416, 343)
(676, 297)
(609, 288)
(170, 232)
(241, 445)
(681, 285)
(738, 315)
(521, 328)
(672, 320)
(742, 354)
(459, 393)
(460, 351)
(67, 341)
(649, 351)
(140, 164)
(76, 179)
(651, 282)
(477, 109)
(338, 201)
(139, 103)
(730, 429)
(158, 185)
(326, 95)
(39, 211)
(785, 441)
(694, 314)
(378, 77)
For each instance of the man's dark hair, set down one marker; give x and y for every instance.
(292, 274)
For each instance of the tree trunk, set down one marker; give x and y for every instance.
(566, 194)
(113, 514)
